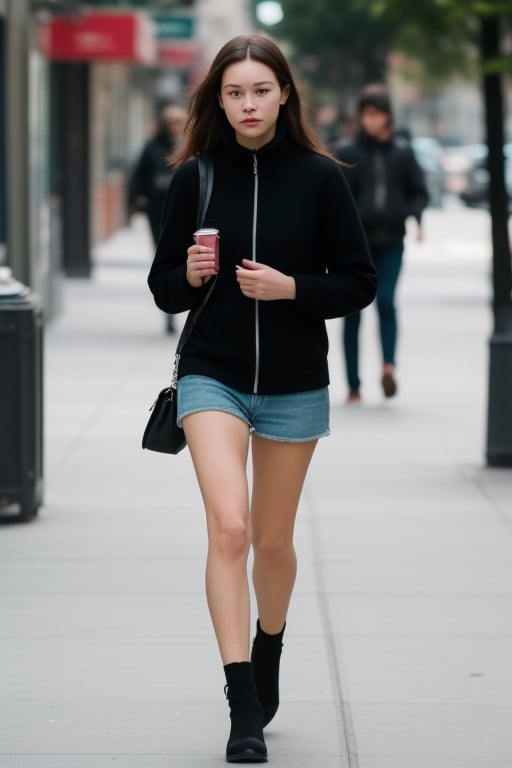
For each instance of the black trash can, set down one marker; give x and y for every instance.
(21, 400)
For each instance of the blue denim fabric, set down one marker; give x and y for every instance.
(388, 263)
(294, 418)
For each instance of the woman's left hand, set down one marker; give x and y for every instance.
(259, 281)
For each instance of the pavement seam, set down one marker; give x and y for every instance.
(346, 732)
(478, 479)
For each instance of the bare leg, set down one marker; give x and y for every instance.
(279, 470)
(218, 444)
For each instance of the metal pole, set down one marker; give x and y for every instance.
(17, 165)
(3, 145)
(499, 425)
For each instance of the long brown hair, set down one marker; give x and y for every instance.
(205, 116)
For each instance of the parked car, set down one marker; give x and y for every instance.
(457, 161)
(476, 192)
(429, 154)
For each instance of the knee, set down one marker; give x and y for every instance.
(385, 305)
(230, 538)
(351, 324)
(272, 549)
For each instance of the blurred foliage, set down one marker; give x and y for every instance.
(442, 34)
(336, 44)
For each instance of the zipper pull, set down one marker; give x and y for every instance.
(255, 164)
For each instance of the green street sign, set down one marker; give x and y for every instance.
(173, 27)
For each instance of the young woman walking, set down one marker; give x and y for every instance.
(253, 376)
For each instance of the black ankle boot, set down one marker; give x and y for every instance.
(246, 743)
(266, 656)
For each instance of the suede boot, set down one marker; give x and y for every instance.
(246, 743)
(266, 657)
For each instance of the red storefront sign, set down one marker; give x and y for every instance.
(128, 37)
(178, 55)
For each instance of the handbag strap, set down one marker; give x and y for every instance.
(205, 165)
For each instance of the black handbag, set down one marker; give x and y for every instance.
(162, 432)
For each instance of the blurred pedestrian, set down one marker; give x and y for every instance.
(254, 372)
(152, 172)
(388, 186)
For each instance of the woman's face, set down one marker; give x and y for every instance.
(250, 96)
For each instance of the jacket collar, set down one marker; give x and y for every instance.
(368, 141)
(269, 152)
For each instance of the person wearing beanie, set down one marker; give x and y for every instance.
(388, 186)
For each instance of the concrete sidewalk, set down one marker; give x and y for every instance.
(397, 653)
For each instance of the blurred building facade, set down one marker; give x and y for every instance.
(80, 85)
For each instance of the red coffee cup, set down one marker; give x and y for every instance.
(210, 238)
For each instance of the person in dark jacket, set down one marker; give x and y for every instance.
(152, 173)
(254, 372)
(388, 186)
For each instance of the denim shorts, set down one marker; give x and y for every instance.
(292, 418)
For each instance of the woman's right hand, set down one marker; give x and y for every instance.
(200, 265)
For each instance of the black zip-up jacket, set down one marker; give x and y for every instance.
(387, 183)
(283, 206)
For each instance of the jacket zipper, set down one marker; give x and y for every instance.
(381, 191)
(256, 303)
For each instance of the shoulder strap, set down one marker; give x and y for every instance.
(205, 165)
